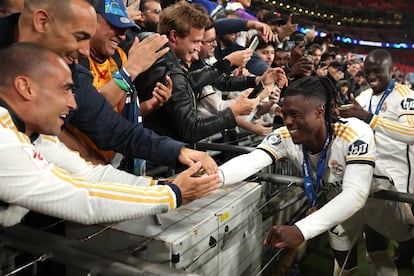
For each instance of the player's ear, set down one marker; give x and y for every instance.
(22, 85)
(320, 109)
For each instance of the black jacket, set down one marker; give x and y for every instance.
(178, 117)
(202, 74)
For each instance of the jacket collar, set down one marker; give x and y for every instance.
(18, 122)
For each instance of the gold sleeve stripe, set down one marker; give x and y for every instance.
(367, 158)
(374, 121)
(127, 197)
(410, 120)
(144, 195)
(7, 122)
(23, 138)
(49, 138)
(347, 128)
(346, 133)
(154, 191)
(396, 127)
(409, 117)
(284, 131)
(78, 178)
(402, 90)
(157, 200)
(269, 149)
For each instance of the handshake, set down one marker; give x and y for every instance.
(193, 183)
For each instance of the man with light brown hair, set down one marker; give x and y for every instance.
(184, 25)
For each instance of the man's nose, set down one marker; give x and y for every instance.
(84, 48)
(287, 120)
(72, 101)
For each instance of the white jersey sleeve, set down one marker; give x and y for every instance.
(396, 118)
(86, 196)
(354, 143)
(57, 153)
(245, 165)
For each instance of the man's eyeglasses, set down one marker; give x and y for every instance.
(210, 42)
(156, 11)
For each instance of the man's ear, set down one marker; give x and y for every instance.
(41, 21)
(172, 36)
(320, 109)
(22, 86)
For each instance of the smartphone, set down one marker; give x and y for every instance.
(130, 2)
(290, 45)
(255, 42)
(322, 64)
(256, 91)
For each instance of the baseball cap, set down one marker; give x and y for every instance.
(273, 18)
(114, 11)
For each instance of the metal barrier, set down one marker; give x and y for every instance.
(394, 196)
(72, 253)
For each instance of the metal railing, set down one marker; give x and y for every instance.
(73, 253)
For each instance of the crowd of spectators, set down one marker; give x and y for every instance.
(186, 71)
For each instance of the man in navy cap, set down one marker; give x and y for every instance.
(113, 73)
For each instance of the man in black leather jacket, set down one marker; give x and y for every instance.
(184, 26)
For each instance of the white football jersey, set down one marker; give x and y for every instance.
(394, 132)
(350, 145)
(348, 177)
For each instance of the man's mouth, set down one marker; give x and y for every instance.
(373, 83)
(69, 59)
(63, 117)
(115, 43)
(293, 131)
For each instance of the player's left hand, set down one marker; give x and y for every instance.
(353, 110)
(281, 236)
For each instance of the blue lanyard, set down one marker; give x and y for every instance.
(384, 96)
(320, 168)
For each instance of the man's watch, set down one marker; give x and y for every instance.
(227, 62)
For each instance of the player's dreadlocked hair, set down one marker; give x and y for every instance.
(321, 90)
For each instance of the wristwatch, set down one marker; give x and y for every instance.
(227, 62)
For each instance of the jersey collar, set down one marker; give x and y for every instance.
(18, 122)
